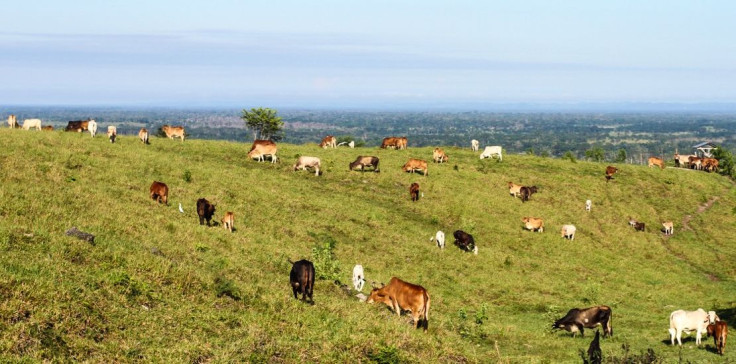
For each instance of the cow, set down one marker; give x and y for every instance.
(228, 220)
(638, 226)
(465, 241)
(12, 121)
(654, 161)
(491, 151)
(414, 191)
(533, 223)
(262, 148)
(514, 189)
(439, 237)
(579, 319)
(47, 128)
(695, 162)
(77, 125)
(403, 143)
(174, 131)
(401, 295)
(365, 161)
(439, 156)
(143, 135)
(416, 165)
(205, 210)
(305, 162)
(328, 142)
(568, 231)
(719, 331)
(358, 277)
(669, 227)
(588, 205)
(351, 144)
(32, 123)
(92, 127)
(710, 164)
(526, 192)
(390, 142)
(302, 279)
(689, 321)
(112, 133)
(683, 160)
(160, 192)
(610, 171)
(474, 145)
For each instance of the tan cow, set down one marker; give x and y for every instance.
(400, 295)
(261, 148)
(328, 142)
(32, 123)
(228, 220)
(682, 160)
(416, 165)
(654, 161)
(174, 131)
(533, 224)
(695, 162)
(160, 192)
(143, 135)
(112, 133)
(305, 162)
(514, 189)
(403, 143)
(390, 142)
(439, 156)
(669, 227)
(12, 121)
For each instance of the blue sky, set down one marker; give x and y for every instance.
(366, 53)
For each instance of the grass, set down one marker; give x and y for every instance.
(157, 286)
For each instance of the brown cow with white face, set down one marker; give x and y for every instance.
(400, 295)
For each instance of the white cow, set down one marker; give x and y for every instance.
(568, 231)
(689, 321)
(588, 205)
(92, 127)
(439, 238)
(474, 145)
(32, 123)
(358, 277)
(112, 133)
(489, 152)
(351, 144)
(312, 162)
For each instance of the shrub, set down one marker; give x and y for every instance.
(326, 265)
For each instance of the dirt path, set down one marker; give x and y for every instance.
(701, 209)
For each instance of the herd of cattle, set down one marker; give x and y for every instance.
(399, 295)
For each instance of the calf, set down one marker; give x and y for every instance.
(160, 192)
(654, 161)
(533, 223)
(578, 319)
(414, 191)
(328, 142)
(305, 162)
(143, 135)
(610, 171)
(439, 156)
(689, 321)
(112, 133)
(228, 220)
(302, 279)
(588, 205)
(638, 226)
(669, 227)
(400, 295)
(365, 161)
(474, 145)
(465, 241)
(205, 210)
(568, 232)
(719, 331)
(92, 127)
(514, 189)
(358, 277)
(12, 121)
(526, 192)
(439, 237)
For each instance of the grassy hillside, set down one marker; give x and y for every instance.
(157, 286)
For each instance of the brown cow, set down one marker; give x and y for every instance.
(710, 164)
(390, 142)
(47, 128)
(228, 220)
(695, 162)
(527, 192)
(205, 210)
(416, 164)
(328, 142)
(402, 143)
(610, 171)
(577, 319)
(160, 192)
(365, 161)
(514, 189)
(261, 148)
(400, 295)
(143, 135)
(654, 161)
(77, 125)
(719, 331)
(174, 131)
(533, 224)
(414, 191)
(439, 156)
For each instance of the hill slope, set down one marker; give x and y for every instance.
(157, 286)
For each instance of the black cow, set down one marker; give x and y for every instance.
(579, 318)
(205, 210)
(302, 279)
(526, 192)
(77, 125)
(464, 241)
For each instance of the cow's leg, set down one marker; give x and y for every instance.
(295, 292)
(697, 337)
(201, 220)
(679, 337)
(581, 328)
(672, 336)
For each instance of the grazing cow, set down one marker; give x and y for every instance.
(719, 331)
(694, 162)
(47, 128)
(390, 142)
(439, 156)
(358, 277)
(638, 226)
(688, 321)
(669, 227)
(400, 295)
(305, 162)
(77, 126)
(474, 145)
(654, 161)
(465, 241)
(174, 131)
(262, 148)
(710, 164)
(526, 192)
(588, 205)
(414, 191)
(610, 171)
(489, 152)
(143, 135)
(92, 127)
(365, 161)
(112, 133)
(568, 231)
(228, 220)
(328, 142)
(514, 189)
(416, 165)
(683, 160)
(302, 279)
(12, 121)
(533, 223)
(205, 210)
(439, 237)
(32, 123)
(160, 192)
(579, 319)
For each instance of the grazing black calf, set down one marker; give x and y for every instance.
(302, 279)
(464, 241)
(205, 210)
(579, 318)
(526, 192)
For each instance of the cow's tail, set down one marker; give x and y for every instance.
(609, 323)
(426, 310)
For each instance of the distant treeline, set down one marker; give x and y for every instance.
(553, 134)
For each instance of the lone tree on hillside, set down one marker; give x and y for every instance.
(264, 123)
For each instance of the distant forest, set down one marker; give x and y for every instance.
(551, 134)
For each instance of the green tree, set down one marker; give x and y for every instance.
(621, 156)
(569, 156)
(264, 123)
(596, 154)
(725, 162)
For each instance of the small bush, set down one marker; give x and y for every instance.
(226, 287)
(326, 266)
(569, 156)
(187, 176)
(385, 355)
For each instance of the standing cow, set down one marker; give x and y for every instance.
(112, 133)
(414, 191)
(228, 220)
(719, 331)
(401, 295)
(689, 321)
(12, 121)
(160, 192)
(92, 127)
(205, 211)
(143, 135)
(365, 161)
(302, 279)
(491, 151)
(305, 162)
(654, 161)
(474, 145)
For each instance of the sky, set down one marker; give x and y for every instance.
(322, 54)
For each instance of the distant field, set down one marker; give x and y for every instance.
(158, 287)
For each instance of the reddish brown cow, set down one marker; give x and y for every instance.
(719, 331)
(262, 148)
(610, 171)
(390, 142)
(160, 192)
(78, 126)
(414, 191)
(328, 142)
(400, 295)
